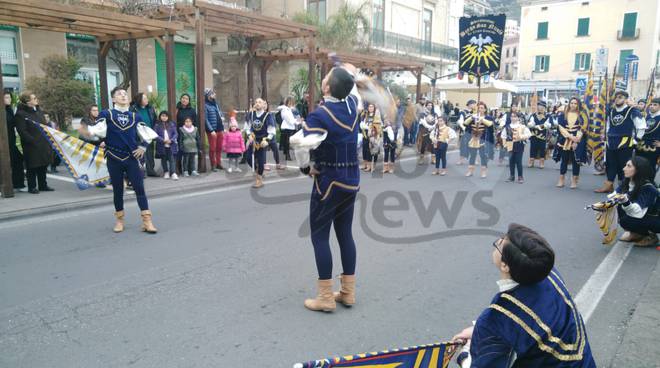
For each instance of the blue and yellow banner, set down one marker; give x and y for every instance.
(481, 41)
(436, 355)
(85, 161)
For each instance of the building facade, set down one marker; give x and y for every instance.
(560, 40)
(477, 7)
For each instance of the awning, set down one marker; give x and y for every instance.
(462, 85)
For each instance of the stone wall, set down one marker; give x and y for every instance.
(37, 44)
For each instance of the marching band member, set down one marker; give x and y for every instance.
(570, 126)
(624, 126)
(464, 150)
(441, 135)
(502, 122)
(480, 129)
(369, 117)
(332, 131)
(539, 124)
(390, 143)
(639, 208)
(649, 147)
(426, 123)
(261, 129)
(124, 147)
(514, 135)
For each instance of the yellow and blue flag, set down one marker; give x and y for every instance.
(436, 355)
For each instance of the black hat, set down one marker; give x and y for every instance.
(641, 100)
(470, 102)
(622, 93)
(656, 100)
(542, 103)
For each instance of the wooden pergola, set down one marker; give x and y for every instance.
(376, 63)
(106, 26)
(205, 17)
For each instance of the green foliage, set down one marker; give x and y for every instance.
(300, 83)
(342, 30)
(59, 93)
(157, 102)
(396, 90)
(184, 85)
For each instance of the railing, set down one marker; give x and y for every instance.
(623, 36)
(411, 45)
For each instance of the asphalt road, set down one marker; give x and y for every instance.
(222, 283)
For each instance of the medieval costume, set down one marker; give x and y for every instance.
(441, 135)
(368, 119)
(625, 126)
(375, 143)
(514, 136)
(426, 123)
(539, 124)
(464, 115)
(480, 128)
(261, 129)
(570, 147)
(390, 145)
(647, 146)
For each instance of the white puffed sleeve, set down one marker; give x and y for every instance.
(99, 129)
(302, 144)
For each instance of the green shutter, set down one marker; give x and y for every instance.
(537, 64)
(184, 68)
(583, 27)
(576, 66)
(622, 60)
(629, 24)
(547, 63)
(587, 63)
(542, 31)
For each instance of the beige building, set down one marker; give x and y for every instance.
(561, 39)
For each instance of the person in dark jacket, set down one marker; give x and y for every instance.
(214, 128)
(15, 156)
(184, 110)
(37, 151)
(140, 105)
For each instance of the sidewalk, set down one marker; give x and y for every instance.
(641, 343)
(68, 197)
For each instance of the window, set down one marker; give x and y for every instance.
(507, 52)
(542, 64)
(542, 31)
(582, 62)
(514, 51)
(623, 54)
(8, 54)
(428, 25)
(506, 68)
(317, 8)
(378, 21)
(583, 27)
(629, 25)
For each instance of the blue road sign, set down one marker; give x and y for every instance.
(581, 83)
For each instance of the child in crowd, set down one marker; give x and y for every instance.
(166, 144)
(375, 144)
(234, 145)
(441, 134)
(189, 145)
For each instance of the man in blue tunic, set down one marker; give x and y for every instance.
(123, 149)
(332, 132)
(649, 146)
(625, 127)
(532, 322)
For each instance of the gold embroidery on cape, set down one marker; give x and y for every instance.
(332, 116)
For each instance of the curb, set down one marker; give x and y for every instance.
(107, 200)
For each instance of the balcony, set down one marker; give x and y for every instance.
(627, 36)
(410, 45)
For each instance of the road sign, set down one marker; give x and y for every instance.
(635, 70)
(632, 57)
(601, 61)
(626, 73)
(581, 83)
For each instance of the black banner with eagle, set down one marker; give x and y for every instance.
(481, 44)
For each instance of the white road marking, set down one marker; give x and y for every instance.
(594, 289)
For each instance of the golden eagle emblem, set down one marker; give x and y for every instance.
(479, 49)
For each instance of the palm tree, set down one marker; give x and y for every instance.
(343, 31)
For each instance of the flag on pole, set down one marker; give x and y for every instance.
(436, 355)
(596, 129)
(650, 91)
(587, 112)
(85, 161)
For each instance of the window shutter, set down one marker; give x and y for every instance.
(547, 64)
(542, 31)
(537, 64)
(629, 24)
(587, 63)
(583, 27)
(577, 62)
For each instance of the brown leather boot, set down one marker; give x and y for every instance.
(608, 187)
(259, 182)
(470, 171)
(561, 182)
(119, 225)
(147, 225)
(325, 300)
(574, 182)
(542, 164)
(346, 294)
